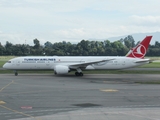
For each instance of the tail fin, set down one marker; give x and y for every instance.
(141, 49)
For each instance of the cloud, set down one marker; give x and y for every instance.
(146, 20)
(15, 38)
(74, 20)
(140, 7)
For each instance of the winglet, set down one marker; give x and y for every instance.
(141, 49)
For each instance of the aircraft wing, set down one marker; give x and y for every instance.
(85, 64)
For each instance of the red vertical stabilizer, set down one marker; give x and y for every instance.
(141, 49)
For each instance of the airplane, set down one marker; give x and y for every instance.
(65, 64)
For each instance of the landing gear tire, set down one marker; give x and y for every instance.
(81, 74)
(78, 74)
(16, 73)
(55, 73)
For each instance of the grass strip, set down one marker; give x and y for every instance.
(86, 72)
(151, 65)
(149, 82)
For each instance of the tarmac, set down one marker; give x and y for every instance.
(91, 97)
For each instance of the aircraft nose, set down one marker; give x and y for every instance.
(4, 66)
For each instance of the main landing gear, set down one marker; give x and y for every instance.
(15, 73)
(78, 73)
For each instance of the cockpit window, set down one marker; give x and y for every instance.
(9, 62)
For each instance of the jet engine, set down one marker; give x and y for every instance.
(61, 69)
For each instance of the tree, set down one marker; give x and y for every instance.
(48, 44)
(129, 41)
(36, 43)
(2, 50)
(20, 50)
(83, 48)
(157, 44)
(107, 43)
(8, 48)
(36, 49)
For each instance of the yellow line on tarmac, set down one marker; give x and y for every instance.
(108, 90)
(2, 102)
(6, 86)
(15, 111)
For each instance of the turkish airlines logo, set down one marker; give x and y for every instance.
(139, 52)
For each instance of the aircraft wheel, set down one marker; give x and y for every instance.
(78, 74)
(16, 73)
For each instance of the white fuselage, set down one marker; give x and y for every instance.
(49, 62)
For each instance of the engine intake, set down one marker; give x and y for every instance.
(61, 69)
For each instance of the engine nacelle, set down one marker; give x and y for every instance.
(61, 69)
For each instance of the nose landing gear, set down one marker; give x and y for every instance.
(15, 73)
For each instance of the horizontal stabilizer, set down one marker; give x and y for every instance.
(142, 60)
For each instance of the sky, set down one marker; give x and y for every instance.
(21, 21)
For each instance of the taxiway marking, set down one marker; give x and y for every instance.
(108, 90)
(6, 86)
(2, 102)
